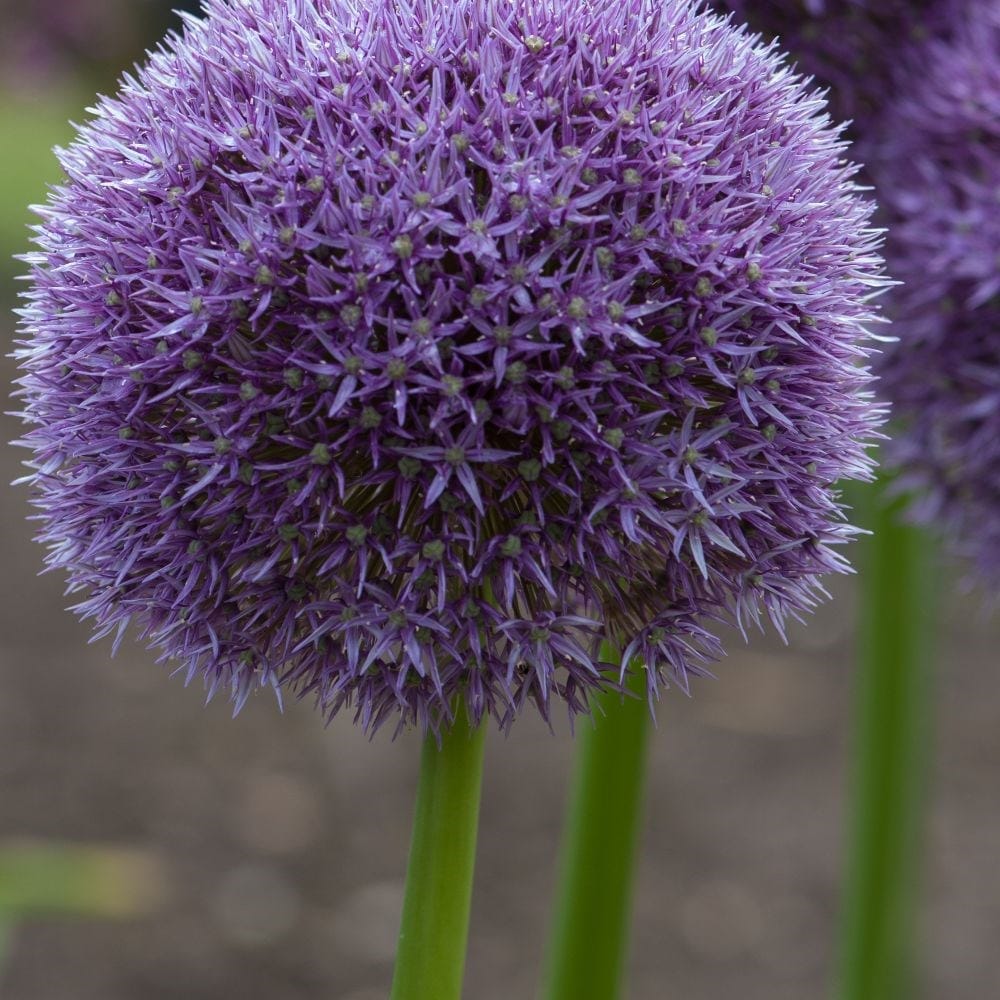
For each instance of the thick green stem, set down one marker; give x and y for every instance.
(589, 943)
(430, 961)
(890, 755)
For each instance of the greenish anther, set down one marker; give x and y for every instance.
(293, 378)
(353, 364)
(614, 436)
(561, 429)
(370, 418)
(703, 288)
(577, 308)
(753, 271)
(222, 445)
(530, 469)
(516, 372)
(511, 546)
(433, 550)
(402, 247)
(192, 360)
(356, 535)
(396, 369)
(409, 467)
(320, 454)
(288, 532)
(350, 315)
(709, 335)
(455, 455)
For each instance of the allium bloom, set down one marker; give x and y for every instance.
(851, 46)
(398, 351)
(939, 171)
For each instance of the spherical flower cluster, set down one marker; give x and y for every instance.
(938, 172)
(403, 351)
(852, 47)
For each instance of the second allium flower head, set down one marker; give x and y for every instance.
(395, 352)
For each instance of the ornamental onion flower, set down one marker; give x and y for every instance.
(938, 169)
(854, 47)
(396, 352)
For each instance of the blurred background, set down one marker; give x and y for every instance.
(153, 847)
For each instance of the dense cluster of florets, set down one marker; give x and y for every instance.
(938, 173)
(852, 47)
(396, 352)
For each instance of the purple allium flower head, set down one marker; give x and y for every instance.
(851, 46)
(395, 352)
(939, 173)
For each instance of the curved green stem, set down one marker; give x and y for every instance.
(893, 715)
(588, 947)
(430, 961)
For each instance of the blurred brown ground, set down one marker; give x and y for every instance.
(285, 842)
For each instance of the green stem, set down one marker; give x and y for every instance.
(893, 714)
(589, 940)
(430, 961)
